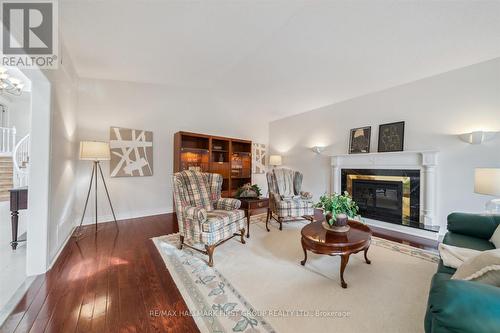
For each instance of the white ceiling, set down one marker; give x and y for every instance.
(278, 57)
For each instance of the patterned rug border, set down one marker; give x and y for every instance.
(204, 315)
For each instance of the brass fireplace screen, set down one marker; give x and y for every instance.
(406, 188)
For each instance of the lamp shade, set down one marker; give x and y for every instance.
(275, 160)
(487, 181)
(94, 151)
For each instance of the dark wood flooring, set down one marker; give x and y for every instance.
(114, 281)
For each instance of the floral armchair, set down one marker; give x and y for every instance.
(204, 217)
(286, 199)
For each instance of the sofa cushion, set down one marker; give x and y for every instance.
(475, 225)
(445, 269)
(495, 239)
(474, 243)
(217, 219)
(484, 268)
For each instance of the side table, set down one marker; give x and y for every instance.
(250, 205)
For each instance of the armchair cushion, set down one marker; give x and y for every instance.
(195, 213)
(294, 207)
(227, 204)
(197, 188)
(218, 219)
(284, 182)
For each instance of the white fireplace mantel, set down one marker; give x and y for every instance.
(425, 161)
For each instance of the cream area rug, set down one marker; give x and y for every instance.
(261, 286)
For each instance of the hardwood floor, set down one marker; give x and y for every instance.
(113, 282)
(108, 283)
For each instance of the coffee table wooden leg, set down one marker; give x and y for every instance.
(248, 224)
(368, 261)
(303, 262)
(344, 259)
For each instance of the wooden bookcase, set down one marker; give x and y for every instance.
(232, 158)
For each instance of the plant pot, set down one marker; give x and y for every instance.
(339, 225)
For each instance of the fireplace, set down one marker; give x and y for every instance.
(385, 194)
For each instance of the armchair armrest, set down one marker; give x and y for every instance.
(465, 306)
(475, 225)
(227, 204)
(195, 213)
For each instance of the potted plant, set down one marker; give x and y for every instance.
(248, 191)
(338, 208)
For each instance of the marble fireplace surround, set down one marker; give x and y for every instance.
(425, 161)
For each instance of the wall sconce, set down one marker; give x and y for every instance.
(477, 137)
(318, 149)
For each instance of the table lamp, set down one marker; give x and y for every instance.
(96, 152)
(487, 181)
(275, 160)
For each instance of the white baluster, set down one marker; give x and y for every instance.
(13, 133)
(3, 140)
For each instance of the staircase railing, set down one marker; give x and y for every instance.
(7, 140)
(20, 158)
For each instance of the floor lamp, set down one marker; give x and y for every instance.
(96, 152)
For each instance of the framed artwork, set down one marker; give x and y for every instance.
(391, 137)
(131, 152)
(359, 140)
(259, 154)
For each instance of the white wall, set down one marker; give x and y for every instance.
(163, 110)
(435, 110)
(63, 154)
(52, 163)
(20, 114)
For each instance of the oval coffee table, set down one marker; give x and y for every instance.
(317, 239)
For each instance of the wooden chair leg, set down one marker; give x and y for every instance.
(280, 220)
(210, 251)
(182, 242)
(268, 217)
(243, 236)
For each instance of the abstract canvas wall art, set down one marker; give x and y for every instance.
(131, 152)
(259, 153)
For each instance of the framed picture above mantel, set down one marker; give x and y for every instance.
(391, 137)
(359, 140)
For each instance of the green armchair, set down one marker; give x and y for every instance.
(464, 306)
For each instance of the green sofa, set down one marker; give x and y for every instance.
(464, 306)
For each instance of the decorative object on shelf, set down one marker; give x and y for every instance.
(391, 137)
(477, 137)
(96, 152)
(275, 160)
(338, 208)
(318, 149)
(9, 84)
(259, 155)
(359, 140)
(487, 181)
(248, 191)
(131, 152)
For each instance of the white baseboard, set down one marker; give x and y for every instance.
(403, 229)
(61, 248)
(90, 219)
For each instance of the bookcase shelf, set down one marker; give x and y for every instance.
(231, 158)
